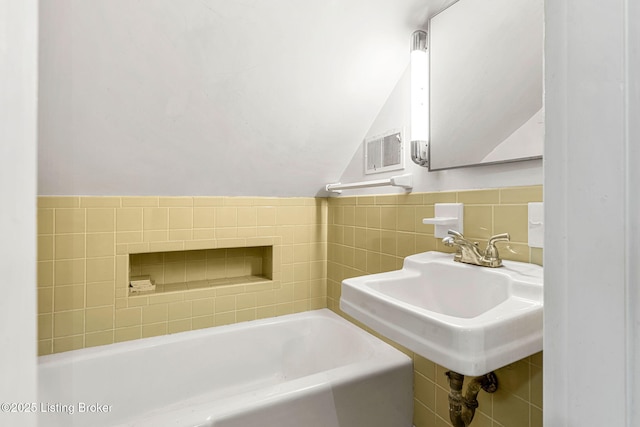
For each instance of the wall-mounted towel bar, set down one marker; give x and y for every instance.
(405, 181)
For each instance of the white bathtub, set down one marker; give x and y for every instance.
(310, 369)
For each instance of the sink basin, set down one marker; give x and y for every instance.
(467, 318)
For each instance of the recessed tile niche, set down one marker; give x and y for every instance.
(176, 271)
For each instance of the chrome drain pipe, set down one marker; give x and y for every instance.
(463, 408)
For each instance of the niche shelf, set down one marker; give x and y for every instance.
(179, 271)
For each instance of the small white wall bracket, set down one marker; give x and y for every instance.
(536, 225)
(447, 216)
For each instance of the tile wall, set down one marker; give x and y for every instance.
(372, 234)
(84, 245)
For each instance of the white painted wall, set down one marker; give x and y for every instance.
(18, 79)
(212, 97)
(592, 211)
(395, 114)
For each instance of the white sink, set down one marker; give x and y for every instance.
(467, 318)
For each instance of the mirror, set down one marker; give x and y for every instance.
(486, 84)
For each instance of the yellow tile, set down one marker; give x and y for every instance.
(156, 246)
(175, 272)
(99, 294)
(70, 221)
(45, 326)
(128, 334)
(208, 201)
(155, 236)
(406, 218)
(514, 251)
(129, 219)
(479, 197)
(265, 312)
(155, 219)
(406, 244)
(509, 410)
(154, 330)
(373, 217)
(180, 218)
(155, 313)
(179, 310)
(425, 391)
(535, 384)
(125, 237)
(238, 201)
(247, 217)
(95, 339)
(226, 217)
(45, 248)
(266, 216)
(203, 217)
(100, 269)
(98, 319)
(202, 322)
(68, 298)
(179, 326)
(196, 270)
(100, 220)
(45, 221)
(440, 197)
(69, 272)
(201, 234)
(511, 219)
(202, 307)
(68, 343)
(69, 246)
(180, 234)
(45, 273)
(175, 202)
(100, 245)
(515, 195)
(373, 263)
(537, 256)
(58, 202)
(45, 300)
(68, 323)
(165, 298)
(139, 202)
(246, 315)
(410, 199)
(45, 347)
(128, 317)
(224, 318)
(422, 416)
(372, 240)
(99, 202)
(478, 222)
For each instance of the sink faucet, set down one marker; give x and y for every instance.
(468, 252)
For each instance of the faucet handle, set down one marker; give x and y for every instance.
(504, 237)
(491, 255)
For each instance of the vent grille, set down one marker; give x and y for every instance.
(384, 152)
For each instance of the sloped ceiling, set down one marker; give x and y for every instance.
(213, 97)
